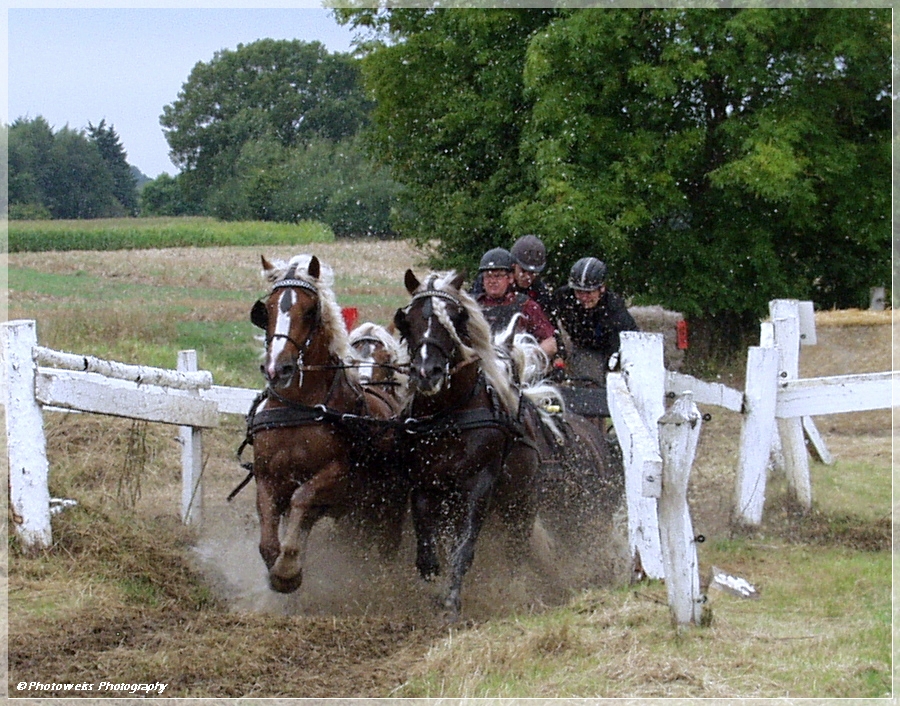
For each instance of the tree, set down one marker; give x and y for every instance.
(718, 158)
(449, 112)
(30, 144)
(60, 173)
(79, 185)
(164, 196)
(124, 183)
(715, 158)
(286, 92)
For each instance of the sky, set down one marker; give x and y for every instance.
(75, 66)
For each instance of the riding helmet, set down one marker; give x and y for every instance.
(587, 274)
(529, 253)
(496, 259)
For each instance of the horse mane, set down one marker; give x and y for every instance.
(329, 310)
(383, 336)
(480, 344)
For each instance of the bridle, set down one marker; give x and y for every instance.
(428, 312)
(300, 348)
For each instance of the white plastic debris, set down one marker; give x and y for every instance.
(57, 505)
(735, 585)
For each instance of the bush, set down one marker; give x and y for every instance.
(29, 212)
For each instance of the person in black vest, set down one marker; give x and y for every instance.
(592, 316)
(500, 303)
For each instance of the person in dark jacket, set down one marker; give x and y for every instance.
(591, 315)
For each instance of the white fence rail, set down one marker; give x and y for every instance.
(658, 451)
(779, 406)
(185, 398)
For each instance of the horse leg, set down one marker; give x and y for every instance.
(516, 497)
(308, 503)
(266, 507)
(479, 498)
(425, 509)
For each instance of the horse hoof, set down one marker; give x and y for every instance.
(283, 584)
(451, 613)
(428, 570)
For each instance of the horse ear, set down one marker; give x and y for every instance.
(412, 284)
(314, 269)
(259, 315)
(269, 270)
(457, 281)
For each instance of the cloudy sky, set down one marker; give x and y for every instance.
(74, 65)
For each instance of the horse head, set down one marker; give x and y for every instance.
(298, 327)
(376, 353)
(435, 328)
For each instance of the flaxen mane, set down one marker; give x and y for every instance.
(480, 342)
(383, 336)
(329, 310)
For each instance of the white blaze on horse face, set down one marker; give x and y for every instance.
(423, 351)
(367, 364)
(280, 336)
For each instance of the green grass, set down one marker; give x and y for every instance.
(859, 488)
(146, 325)
(143, 233)
(821, 628)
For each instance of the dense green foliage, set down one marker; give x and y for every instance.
(269, 132)
(164, 196)
(143, 233)
(67, 174)
(717, 159)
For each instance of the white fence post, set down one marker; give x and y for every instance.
(29, 494)
(757, 435)
(191, 439)
(644, 372)
(785, 314)
(679, 431)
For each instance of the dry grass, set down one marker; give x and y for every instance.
(855, 317)
(128, 594)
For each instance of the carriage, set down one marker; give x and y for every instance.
(436, 431)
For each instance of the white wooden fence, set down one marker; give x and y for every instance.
(658, 446)
(186, 398)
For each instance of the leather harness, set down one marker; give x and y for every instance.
(452, 420)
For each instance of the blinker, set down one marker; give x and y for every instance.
(259, 315)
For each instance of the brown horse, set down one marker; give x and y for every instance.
(316, 445)
(467, 451)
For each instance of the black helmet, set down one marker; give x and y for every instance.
(529, 253)
(496, 259)
(587, 274)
